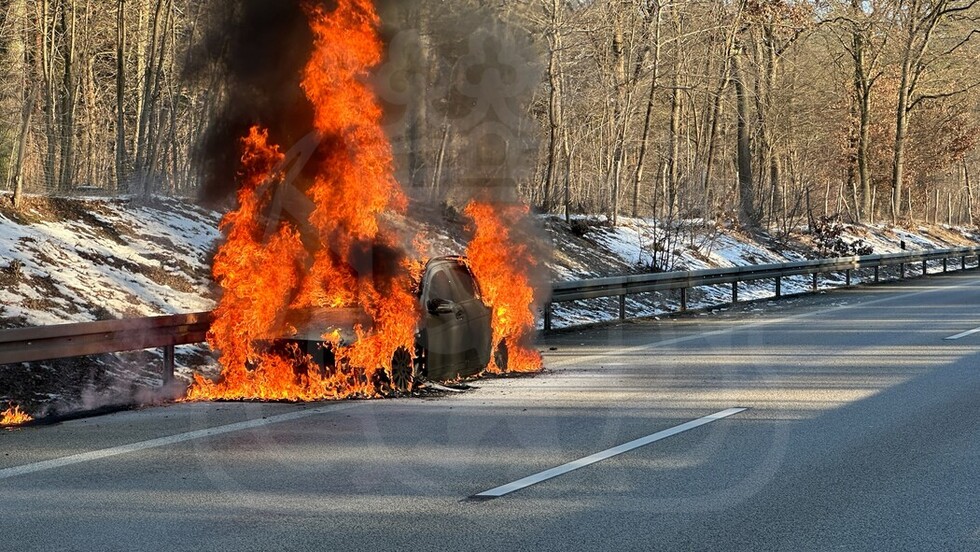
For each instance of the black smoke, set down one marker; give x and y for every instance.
(251, 58)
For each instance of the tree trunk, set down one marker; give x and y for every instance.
(747, 213)
(89, 131)
(155, 132)
(716, 114)
(440, 162)
(48, 47)
(901, 130)
(862, 91)
(418, 108)
(648, 118)
(863, 170)
(619, 71)
(25, 129)
(121, 157)
(555, 125)
(969, 192)
(68, 99)
(139, 49)
(145, 146)
(18, 71)
(674, 149)
(568, 175)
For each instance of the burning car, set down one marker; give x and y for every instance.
(453, 339)
(282, 270)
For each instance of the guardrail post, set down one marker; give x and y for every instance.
(734, 292)
(779, 287)
(944, 265)
(901, 275)
(877, 274)
(847, 277)
(963, 262)
(814, 281)
(547, 317)
(925, 267)
(683, 299)
(168, 364)
(622, 307)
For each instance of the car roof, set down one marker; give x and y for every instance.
(456, 260)
(459, 259)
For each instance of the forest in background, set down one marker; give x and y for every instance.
(770, 113)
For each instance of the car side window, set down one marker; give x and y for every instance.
(440, 287)
(466, 288)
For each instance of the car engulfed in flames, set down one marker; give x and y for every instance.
(329, 302)
(452, 340)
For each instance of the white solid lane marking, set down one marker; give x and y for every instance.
(964, 334)
(604, 455)
(7, 473)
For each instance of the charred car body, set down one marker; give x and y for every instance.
(453, 339)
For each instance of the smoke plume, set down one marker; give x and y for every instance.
(252, 56)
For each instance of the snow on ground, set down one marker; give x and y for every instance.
(590, 247)
(74, 261)
(80, 260)
(65, 261)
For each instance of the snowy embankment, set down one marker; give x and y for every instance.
(67, 261)
(64, 261)
(591, 248)
(75, 261)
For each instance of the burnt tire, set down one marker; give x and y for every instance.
(402, 370)
(501, 357)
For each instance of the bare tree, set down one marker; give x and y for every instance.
(919, 21)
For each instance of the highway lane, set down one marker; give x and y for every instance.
(862, 433)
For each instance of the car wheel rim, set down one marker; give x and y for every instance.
(401, 370)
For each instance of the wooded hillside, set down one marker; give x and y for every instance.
(768, 112)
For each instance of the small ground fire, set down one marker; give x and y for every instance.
(343, 254)
(14, 416)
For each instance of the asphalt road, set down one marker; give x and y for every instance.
(862, 433)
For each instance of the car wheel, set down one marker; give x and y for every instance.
(500, 356)
(402, 370)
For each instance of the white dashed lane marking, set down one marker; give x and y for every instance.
(502, 490)
(963, 334)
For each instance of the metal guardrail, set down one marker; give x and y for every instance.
(108, 336)
(621, 286)
(114, 336)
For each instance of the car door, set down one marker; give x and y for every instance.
(477, 315)
(446, 328)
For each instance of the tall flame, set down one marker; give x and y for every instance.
(14, 416)
(342, 254)
(269, 268)
(502, 265)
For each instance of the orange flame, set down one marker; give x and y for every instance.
(266, 268)
(502, 266)
(14, 416)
